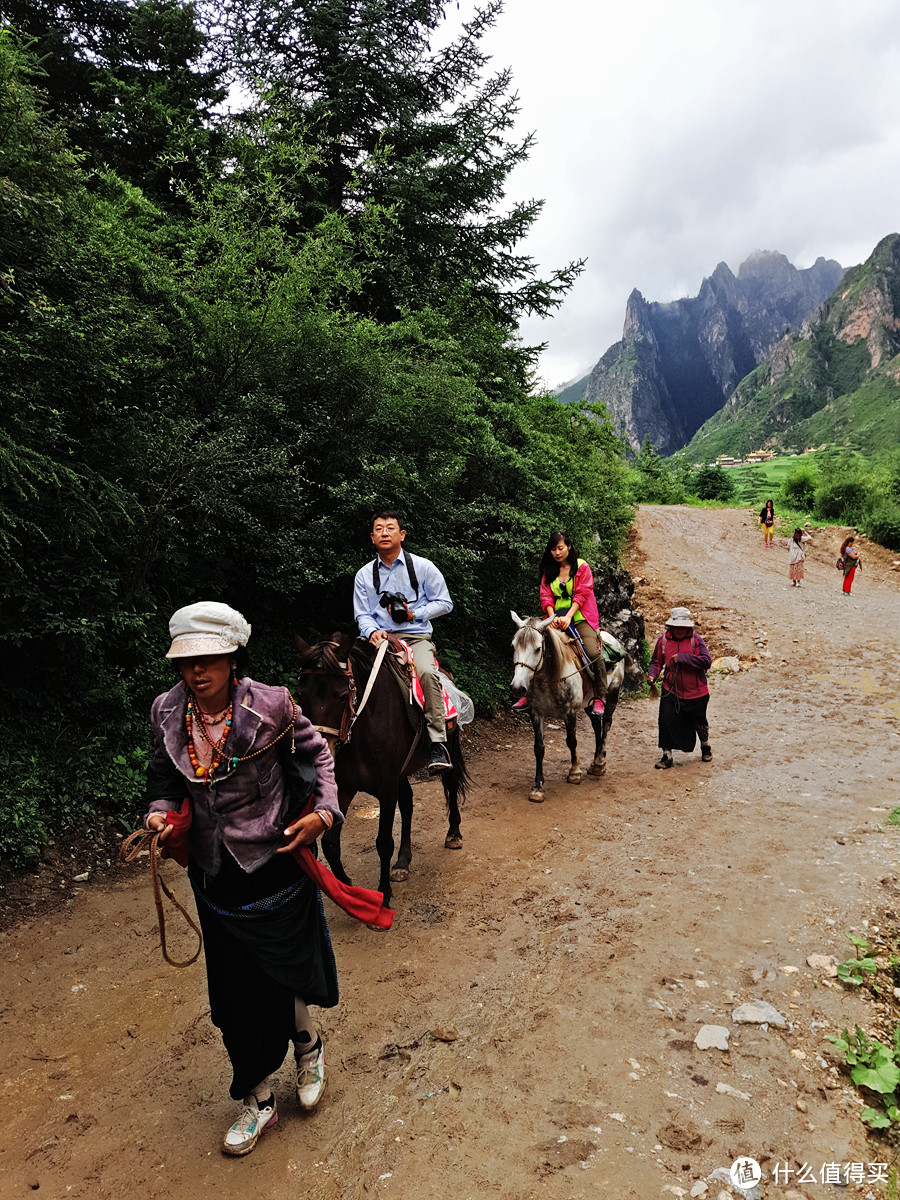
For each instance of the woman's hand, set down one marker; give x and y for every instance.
(303, 832)
(562, 622)
(157, 822)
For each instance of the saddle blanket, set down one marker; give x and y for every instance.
(419, 696)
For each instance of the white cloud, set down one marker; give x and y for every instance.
(674, 134)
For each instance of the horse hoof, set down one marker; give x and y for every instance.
(376, 928)
(575, 777)
(399, 875)
(597, 770)
(453, 842)
(536, 797)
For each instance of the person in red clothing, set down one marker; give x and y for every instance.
(568, 601)
(681, 657)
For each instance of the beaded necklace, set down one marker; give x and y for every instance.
(193, 713)
(205, 774)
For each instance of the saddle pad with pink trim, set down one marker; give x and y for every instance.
(449, 707)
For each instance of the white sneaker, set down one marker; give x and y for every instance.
(245, 1132)
(310, 1077)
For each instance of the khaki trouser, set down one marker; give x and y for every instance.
(591, 640)
(423, 658)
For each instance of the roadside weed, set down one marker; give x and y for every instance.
(859, 970)
(873, 1067)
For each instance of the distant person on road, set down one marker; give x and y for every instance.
(682, 659)
(796, 557)
(851, 561)
(767, 520)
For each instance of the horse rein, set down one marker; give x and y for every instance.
(351, 712)
(130, 849)
(540, 662)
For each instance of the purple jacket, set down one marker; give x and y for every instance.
(245, 808)
(683, 662)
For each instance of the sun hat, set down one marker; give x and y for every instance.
(206, 628)
(680, 619)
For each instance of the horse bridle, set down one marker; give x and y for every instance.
(534, 670)
(351, 712)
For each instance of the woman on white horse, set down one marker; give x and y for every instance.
(567, 595)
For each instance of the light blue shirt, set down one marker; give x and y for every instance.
(434, 599)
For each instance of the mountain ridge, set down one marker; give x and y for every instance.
(678, 361)
(836, 379)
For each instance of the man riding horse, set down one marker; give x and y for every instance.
(402, 593)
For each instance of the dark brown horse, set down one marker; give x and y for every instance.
(374, 752)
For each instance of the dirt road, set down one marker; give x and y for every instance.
(527, 1027)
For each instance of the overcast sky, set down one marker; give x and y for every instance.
(676, 134)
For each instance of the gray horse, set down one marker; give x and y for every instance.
(549, 670)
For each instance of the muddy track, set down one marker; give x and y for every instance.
(526, 1029)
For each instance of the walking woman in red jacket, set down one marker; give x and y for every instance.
(682, 659)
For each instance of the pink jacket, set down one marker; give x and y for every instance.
(582, 595)
(686, 662)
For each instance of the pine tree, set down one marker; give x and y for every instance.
(424, 133)
(131, 82)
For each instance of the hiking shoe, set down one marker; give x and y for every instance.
(597, 707)
(706, 754)
(245, 1132)
(664, 763)
(311, 1076)
(439, 759)
(520, 704)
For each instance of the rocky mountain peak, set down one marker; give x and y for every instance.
(678, 362)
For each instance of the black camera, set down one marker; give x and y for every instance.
(396, 606)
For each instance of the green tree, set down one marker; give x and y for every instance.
(132, 81)
(712, 483)
(424, 133)
(652, 480)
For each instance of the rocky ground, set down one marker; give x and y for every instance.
(529, 1027)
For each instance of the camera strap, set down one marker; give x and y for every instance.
(410, 570)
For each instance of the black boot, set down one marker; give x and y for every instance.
(439, 759)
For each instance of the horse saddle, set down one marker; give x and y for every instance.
(403, 671)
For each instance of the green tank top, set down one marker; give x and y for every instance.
(563, 593)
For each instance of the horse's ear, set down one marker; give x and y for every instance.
(544, 624)
(303, 648)
(518, 620)
(343, 641)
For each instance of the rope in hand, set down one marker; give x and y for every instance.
(130, 849)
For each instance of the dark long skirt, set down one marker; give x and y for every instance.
(680, 721)
(259, 956)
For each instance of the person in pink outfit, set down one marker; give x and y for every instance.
(567, 598)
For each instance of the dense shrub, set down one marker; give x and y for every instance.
(844, 500)
(883, 525)
(712, 483)
(798, 490)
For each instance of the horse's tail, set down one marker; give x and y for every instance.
(458, 776)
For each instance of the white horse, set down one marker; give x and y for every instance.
(548, 668)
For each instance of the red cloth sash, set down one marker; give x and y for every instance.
(176, 844)
(363, 903)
